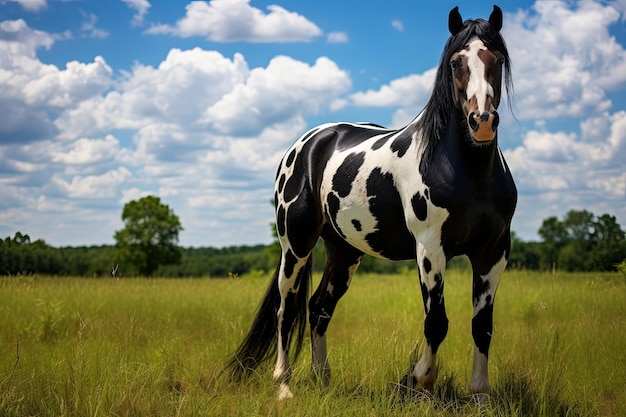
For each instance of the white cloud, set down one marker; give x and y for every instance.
(141, 8)
(285, 88)
(88, 151)
(397, 25)
(337, 37)
(33, 93)
(412, 90)
(104, 185)
(198, 128)
(32, 5)
(88, 28)
(177, 91)
(564, 58)
(237, 21)
(17, 40)
(557, 158)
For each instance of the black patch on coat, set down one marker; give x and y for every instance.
(482, 326)
(401, 144)
(341, 259)
(332, 207)
(392, 239)
(349, 136)
(304, 222)
(280, 220)
(479, 287)
(281, 183)
(427, 265)
(436, 321)
(379, 143)
(419, 206)
(357, 225)
(346, 172)
(293, 187)
(290, 158)
(290, 263)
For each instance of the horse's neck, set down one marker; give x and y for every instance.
(476, 160)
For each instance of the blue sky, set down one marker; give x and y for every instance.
(105, 102)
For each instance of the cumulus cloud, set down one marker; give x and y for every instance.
(411, 90)
(18, 40)
(32, 94)
(564, 58)
(198, 128)
(568, 170)
(93, 186)
(237, 21)
(280, 91)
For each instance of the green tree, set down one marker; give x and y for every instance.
(149, 237)
(609, 244)
(554, 236)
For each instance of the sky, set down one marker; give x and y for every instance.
(102, 103)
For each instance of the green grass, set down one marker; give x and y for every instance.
(136, 347)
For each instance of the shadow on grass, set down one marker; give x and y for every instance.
(514, 394)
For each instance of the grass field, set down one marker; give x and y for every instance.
(140, 347)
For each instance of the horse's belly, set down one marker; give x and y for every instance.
(384, 237)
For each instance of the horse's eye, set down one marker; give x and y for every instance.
(454, 65)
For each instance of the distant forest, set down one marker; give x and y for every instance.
(578, 242)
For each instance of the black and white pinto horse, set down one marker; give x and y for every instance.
(430, 191)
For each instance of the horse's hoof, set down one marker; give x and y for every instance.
(284, 392)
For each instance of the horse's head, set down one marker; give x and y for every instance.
(476, 72)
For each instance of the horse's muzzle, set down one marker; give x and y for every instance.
(483, 125)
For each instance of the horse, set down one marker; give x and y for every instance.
(433, 190)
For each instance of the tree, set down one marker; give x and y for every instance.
(150, 236)
(609, 244)
(582, 242)
(554, 237)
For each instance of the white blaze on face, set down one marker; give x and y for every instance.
(477, 86)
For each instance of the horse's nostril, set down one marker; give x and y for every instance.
(496, 121)
(484, 116)
(473, 121)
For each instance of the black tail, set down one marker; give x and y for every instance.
(260, 344)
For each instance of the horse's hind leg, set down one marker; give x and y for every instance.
(293, 280)
(299, 228)
(342, 261)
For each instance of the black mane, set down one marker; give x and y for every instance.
(440, 105)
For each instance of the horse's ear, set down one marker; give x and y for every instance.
(455, 21)
(496, 18)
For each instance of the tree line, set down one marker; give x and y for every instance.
(147, 246)
(579, 242)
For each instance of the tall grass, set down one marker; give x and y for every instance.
(135, 347)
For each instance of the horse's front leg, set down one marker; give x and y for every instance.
(431, 263)
(485, 284)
